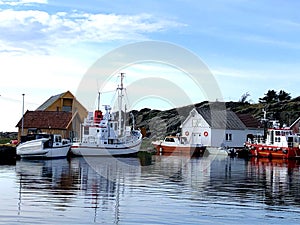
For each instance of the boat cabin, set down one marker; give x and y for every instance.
(282, 138)
(176, 139)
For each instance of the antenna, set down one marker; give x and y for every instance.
(99, 100)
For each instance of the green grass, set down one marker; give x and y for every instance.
(4, 140)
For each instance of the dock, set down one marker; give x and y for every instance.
(7, 154)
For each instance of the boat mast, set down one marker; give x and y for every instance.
(120, 96)
(98, 100)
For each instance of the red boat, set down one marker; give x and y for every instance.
(280, 143)
(178, 145)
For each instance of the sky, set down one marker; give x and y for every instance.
(47, 47)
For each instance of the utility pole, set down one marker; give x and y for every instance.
(22, 133)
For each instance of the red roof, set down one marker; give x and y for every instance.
(46, 119)
(249, 120)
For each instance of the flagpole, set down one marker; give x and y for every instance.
(22, 133)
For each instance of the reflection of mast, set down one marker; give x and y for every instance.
(20, 196)
(117, 206)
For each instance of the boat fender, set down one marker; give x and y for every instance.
(205, 133)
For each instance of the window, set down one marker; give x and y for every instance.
(86, 131)
(228, 137)
(196, 123)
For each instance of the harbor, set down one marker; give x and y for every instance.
(205, 170)
(199, 190)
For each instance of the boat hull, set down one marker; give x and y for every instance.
(107, 150)
(192, 150)
(216, 151)
(265, 151)
(36, 149)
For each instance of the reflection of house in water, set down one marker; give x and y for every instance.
(270, 182)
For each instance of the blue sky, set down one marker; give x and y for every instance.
(47, 46)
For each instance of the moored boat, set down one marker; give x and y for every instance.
(107, 135)
(279, 143)
(178, 145)
(43, 146)
(217, 151)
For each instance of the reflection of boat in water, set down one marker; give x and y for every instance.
(277, 177)
(107, 135)
(43, 146)
(44, 174)
(178, 145)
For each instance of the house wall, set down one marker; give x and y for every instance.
(195, 125)
(295, 127)
(194, 128)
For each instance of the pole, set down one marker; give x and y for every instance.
(23, 116)
(120, 88)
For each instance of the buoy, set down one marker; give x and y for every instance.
(187, 133)
(205, 133)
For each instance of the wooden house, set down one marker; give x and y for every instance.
(219, 128)
(295, 126)
(61, 114)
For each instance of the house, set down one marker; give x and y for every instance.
(61, 114)
(295, 126)
(219, 127)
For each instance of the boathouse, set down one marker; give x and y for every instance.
(295, 126)
(219, 128)
(61, 114)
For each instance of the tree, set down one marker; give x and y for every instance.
(270, 97)
(244, 97)
(282, 95)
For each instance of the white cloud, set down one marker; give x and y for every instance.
(38, 31)
(22, 2)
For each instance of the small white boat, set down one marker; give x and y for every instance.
(217, 151)
(107, 135)
(43, 146)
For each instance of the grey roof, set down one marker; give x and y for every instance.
(221, 119)
(49, 102)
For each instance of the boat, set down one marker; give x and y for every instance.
(218, 151)
(107, 135)
(279, 143)
(178, 145)
(43, 146)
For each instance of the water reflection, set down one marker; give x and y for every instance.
(278, 178)
(175, 188)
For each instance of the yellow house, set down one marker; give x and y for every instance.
(61, 114)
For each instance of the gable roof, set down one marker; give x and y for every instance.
(46, 119)
(249, 120)
(295, 122)
(221, 119)
(49, 102)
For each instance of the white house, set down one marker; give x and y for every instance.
(219, 127)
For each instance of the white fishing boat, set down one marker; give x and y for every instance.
(105, 135)
(43, 146)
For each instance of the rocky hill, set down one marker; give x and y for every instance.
(155, 124)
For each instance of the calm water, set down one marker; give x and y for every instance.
(172, 190)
